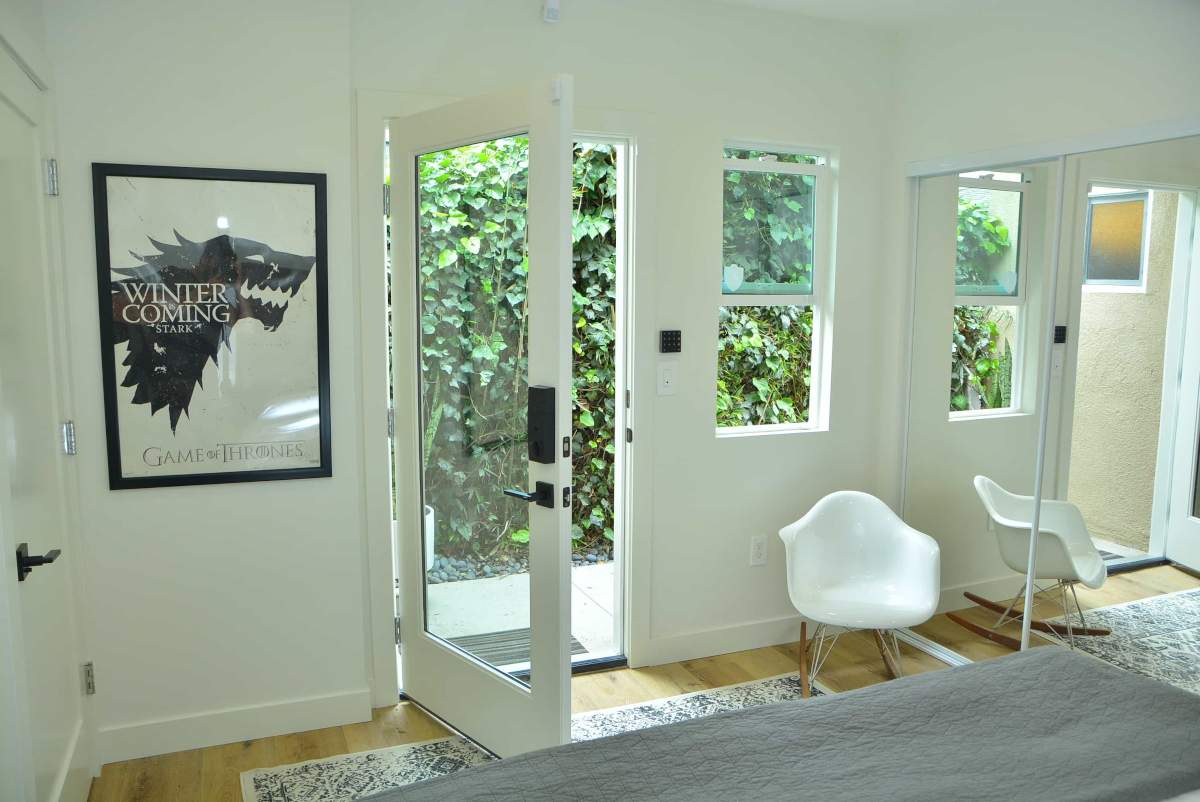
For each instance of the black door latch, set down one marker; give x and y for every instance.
(543, 494)
(26, 563)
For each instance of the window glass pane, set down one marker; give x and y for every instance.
(992, 175)
(988, 234)
(764, 364)
(983, 349)
(1115, 231)
(773, 156)
(767, 234)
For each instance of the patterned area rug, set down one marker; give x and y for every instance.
(1157, 637)
(348, 777)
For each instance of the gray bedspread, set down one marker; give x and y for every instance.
(1044, 724)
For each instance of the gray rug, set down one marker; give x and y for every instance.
(1157, 637)
(347, 777)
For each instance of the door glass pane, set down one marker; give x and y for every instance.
(989, 231)
(472, 268)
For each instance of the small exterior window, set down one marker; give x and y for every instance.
(989, 292)
(1116, 237)
(774, 269)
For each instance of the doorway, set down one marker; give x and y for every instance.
(473, 439)
(1129, 256)
(1129, 380)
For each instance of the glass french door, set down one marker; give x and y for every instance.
(482, 380)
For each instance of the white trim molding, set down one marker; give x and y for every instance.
(212, 727)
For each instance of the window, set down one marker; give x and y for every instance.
(989, 292)
(775, 207)
(1116, 237)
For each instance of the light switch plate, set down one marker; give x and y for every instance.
(668, 373)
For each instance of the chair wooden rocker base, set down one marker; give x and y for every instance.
(1064, 632)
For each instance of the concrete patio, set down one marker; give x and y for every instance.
(496, 604)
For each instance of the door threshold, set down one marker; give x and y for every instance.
(586, 666)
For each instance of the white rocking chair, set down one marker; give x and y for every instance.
(852, 563)
(1065, 555)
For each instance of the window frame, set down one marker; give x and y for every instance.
(1118, 285)
(1017, 300)
(825, 175)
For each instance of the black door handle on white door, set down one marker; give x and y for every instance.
(27, 562)
(543, 494)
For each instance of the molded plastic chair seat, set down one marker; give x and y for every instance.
(1065, 549)
(852, 562)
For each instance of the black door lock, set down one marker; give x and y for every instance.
(543, 494)
(26, 563)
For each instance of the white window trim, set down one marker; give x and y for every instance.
(1114, 286)
(1018, 300)
(819, 299)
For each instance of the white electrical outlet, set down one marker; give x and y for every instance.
(758, 550)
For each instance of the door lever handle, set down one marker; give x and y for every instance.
(542, 495)
(27, 562)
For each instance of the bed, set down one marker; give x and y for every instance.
(1043, 724)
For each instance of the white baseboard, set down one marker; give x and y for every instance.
(1001, 587)
(145, 738)
(709, 642)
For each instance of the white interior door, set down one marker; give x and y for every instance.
(500, 294)
(41, 707)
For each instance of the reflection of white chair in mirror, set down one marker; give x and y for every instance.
(1065, 554)
(853, 564)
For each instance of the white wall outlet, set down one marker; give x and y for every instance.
(667, 373)
(758, 550)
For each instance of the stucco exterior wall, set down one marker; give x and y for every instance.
(1114, 440)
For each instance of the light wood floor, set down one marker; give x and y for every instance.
(212, 774)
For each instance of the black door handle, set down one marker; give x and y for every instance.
(542, 495)
(26, 563)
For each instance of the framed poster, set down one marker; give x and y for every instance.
(213, 324)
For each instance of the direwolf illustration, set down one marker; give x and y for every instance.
(179, 305)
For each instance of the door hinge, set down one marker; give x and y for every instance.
(391, 422)
(397, 624)
(89, 679)
(387, 200)
(68, 438)
(52, 177)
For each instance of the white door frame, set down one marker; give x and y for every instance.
(373, 108)
(1183, 273)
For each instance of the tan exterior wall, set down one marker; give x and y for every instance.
(1114, 440)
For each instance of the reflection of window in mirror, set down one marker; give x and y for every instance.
(985, 338)
(1115, 254)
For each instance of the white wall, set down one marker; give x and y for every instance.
(229, 611)
(701, 73)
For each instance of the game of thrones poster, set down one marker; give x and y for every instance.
(213, 328)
